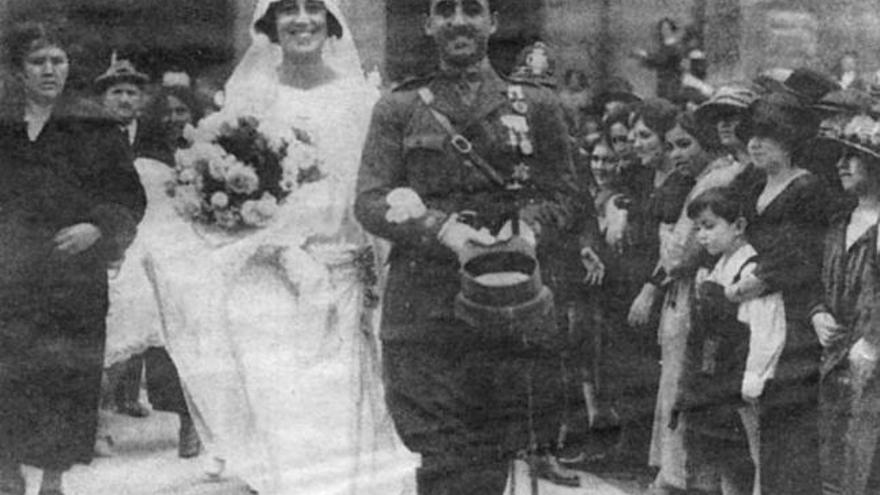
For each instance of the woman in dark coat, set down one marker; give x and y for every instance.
(69, 203)
(844, 317)
(790, 216)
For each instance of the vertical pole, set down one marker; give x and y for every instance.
(604, 63)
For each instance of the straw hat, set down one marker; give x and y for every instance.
(726, 100)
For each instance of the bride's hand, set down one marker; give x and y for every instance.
(303, 270)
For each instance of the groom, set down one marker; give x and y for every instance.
(457, 397)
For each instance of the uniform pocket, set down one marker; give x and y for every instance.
(432, 167)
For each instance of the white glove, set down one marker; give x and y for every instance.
(752, 388)
(525, 232)
(862, 361)
(460, 237)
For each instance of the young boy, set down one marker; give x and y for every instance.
(732, 349)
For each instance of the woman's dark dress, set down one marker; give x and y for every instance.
(52, 308)
(788, 237)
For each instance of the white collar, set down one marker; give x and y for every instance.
(729, 267)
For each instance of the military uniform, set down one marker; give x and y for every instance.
(456, 396)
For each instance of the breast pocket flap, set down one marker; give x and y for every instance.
(425, 141)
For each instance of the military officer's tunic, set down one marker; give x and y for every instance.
(457, 398)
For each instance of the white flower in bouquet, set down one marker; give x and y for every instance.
(219, 200)
(227, 219)
(188, 176)
(258, 213)
(278, 134)
(188, 200)
(242, 179)
(300, 156)
(211, 127)
(289, 180)
(219, 168)
(199, 156)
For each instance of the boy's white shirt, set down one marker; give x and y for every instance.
(765, 317)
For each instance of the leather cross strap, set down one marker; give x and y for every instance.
(461, 144)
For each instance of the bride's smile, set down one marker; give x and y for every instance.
(302, 26)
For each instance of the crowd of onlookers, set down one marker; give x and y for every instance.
(738, 230)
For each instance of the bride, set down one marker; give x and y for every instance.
(273, 334)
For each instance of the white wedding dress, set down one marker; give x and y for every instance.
(133, 323)
(276, 350)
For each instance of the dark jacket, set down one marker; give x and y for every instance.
(52, 307)
(150, 142)
(849, 279)
(407, 147)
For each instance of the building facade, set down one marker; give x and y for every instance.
(740, 37)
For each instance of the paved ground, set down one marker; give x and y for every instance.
(146, 463)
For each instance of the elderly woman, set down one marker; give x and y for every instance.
(791, 210)
(70, 201)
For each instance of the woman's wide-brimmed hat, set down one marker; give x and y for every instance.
(809, 85)
(860, 133)
(615, 89)
(658, 114)
(781, 116)
(844, 101)
(729, 99)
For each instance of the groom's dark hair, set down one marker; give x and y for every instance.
(268, 26)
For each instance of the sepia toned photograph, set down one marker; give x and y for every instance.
(439, 247)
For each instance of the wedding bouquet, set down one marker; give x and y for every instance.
(238, 170)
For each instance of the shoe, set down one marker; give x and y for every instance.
(546, 468)
(50, 492)
(572, 459)
(133, 409)
(188, 443)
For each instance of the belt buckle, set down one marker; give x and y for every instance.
(461, 144)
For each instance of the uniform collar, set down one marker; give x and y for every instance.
(490, 95)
